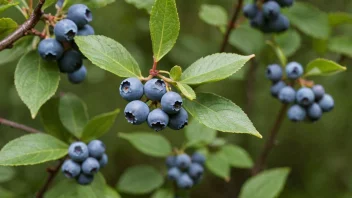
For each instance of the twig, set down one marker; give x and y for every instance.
(35, 32)
(24, 28)
(231, 25)
(52, 174)
(18, 126)
(270, 143)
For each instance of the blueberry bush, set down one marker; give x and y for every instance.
(198, 85)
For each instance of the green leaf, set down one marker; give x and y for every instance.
(289, 42)
(267, 184)
(50, 118)
(220, 114)
(89, 3)
(48, 3)
(111, 193)
(323, 67)
(247, 39)
(32, 149)
(99, 125)
(164, 27)
(140, 179)
(109, 55)
(213, 68)
(309, 20)
(213, 15)
(341, 45)
(148, 143)
(218, 142)
(73, 114)
(340, 18)
(20, 47)
(7, 6)
(7, 173)
(36, 81)
(198, 133)
(163, 193)
(71, 189)
(7, 26)
(142, 4)
(237, 156)
(279, 53)
(175, 73)
(217, 164)
(186, 90)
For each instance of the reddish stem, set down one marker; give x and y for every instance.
(154, 72)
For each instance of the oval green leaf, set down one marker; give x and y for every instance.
(163, 193)
(197, 133)
(289, 42)
(237, 156)
(186, 90)
(213, 15)
(142, 4)
(217, 164)
(111, 193)
(175, 73)
(21, 47)
(341, 45)
(32, 149)
(323, 67)
(220, 114)
(7, 26)
(247, 39)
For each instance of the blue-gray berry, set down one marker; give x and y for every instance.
(314, 112)
(78, 151)
(294, 70)
(296, 113)
(70, 62)
(327, 103)
(50, 49)
(274, 72)
(280, 24)
(318, 91)
(78, 76)
(250, 10)
(287, 95)
(103, 161)
(131, 89)
(183, 161)
(271, 9)
(179, 120)
(154, 89)
(305, 96)
(71, 169)
(170, 161)
(86, 31)
(258, 21)
(173, 174)
(184, 181)
(136, 112)
(276, 88)
(96, 148)
(65, 30)
(84, 179)
(80, 14)
(90, 166)
(195, 171)
(158, 119)
(198, 158)
(171, 102)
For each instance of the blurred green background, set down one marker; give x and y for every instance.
(319, 153)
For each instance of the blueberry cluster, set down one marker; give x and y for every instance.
(267, 17)
(308, 102)
(184, 170)
(85, 161)
(63, 48)
(171, 113)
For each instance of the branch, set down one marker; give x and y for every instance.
(24, 28)
(231, 25)
(18, 126)
(52, 174)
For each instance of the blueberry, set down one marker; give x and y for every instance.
(285, 3)
(195, 171)
(250, 10)
(80, 14)
(170, 161)
(158, 119)
(287, 95)
(178, 121)
(78, 151)
(318, 91)
(276, 88)
(258, 21)
(184, 181)
(103, 161)
(296, 113)
(136, 112)
(280, 24)
(294, 70)
(90, 166)
(274, 72)
(70, 168)
(96, 148)
(78, 76)
(173, 174)
(171, 102)
(131, 89)
(86, 31)
(271, 9)
(327, 103)
(50, 49)
(154, 89)
(70, 62)
(84, 179)
(65, 30)
(60, 3)
(198, 158)
(183, 161)
(305, 96)
(314, 112)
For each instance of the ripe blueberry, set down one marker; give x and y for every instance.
(258, 21)
(154, 89)
(250, 10)
(136, 112)
(287, 95)
(178, 121)
(70, 62)
(171, 102)
(96, 148)
(80, 14)
(318, 91)
(327, 103)
(276, 88)
(183, 161)
(78, 76)
(296, 113)
(314, 112)
(195, 171)
(184, 181)
(65, 30)
(71, 169)
(131, 89)
(78, 151)
(280, 24)
(274, 72)
(90, 166)
(305, 96)
(86, 31)
(50, 49)
(170, 161)
(103, 161)
(173, 174)
(198, 158)
(285, 3)
(84, 179)
(158, 119)
(294, 70)
(271, 9)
